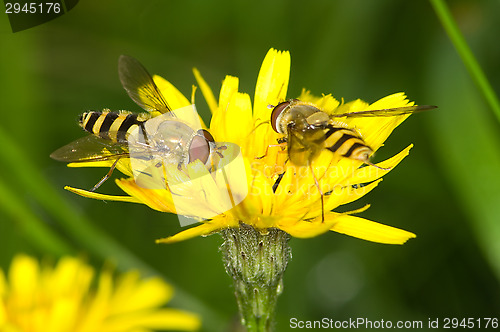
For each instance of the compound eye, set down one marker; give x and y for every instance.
(200, 147)
(206, 134)
(276, 113)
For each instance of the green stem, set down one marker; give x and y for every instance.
(465, 53)
(256, 262)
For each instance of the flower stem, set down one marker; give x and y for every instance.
(477, 74)
(256, 262)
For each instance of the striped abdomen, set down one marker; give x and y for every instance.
(111, 125)
(346, 143)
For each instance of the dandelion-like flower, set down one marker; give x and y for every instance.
(272, 199)
(280, 195)
(71, 297)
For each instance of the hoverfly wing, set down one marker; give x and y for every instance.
(140, 86)
(386, 112)
(90, 148)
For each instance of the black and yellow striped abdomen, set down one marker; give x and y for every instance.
(111, 125)
(346, 143)
(305, 145)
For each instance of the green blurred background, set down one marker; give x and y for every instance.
(446, 191)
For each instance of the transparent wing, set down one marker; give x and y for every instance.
(140, 85)
(386, 112)
(90, 148)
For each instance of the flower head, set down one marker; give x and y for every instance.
(279, 194)
(70, 297)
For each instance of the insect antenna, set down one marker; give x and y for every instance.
(260, 124)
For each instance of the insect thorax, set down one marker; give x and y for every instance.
(303, 116)
(169, 142)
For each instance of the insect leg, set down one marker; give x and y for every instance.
(321, 193)
(277, 182)
(143, 132)
(281, 144)
(382, 168)
(105, 177)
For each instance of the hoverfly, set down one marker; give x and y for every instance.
(163, 137)
(308, 131)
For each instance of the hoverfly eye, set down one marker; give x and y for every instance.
(206, 134)
(199, 149)
(276, 113)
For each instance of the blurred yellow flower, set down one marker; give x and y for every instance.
(280, 195)
(71, 298)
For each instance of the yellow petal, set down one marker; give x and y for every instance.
(70, 274)
(123, 165)
(104, 197)
(3, 296)
(375, 130)
(179, 104)
(262, 194)
(238, 115)
(171, 319)
(3, 315)
(157, 199)
(100, 163)
(370, 230)
(272, 82)
(211, 198)
(369, 173)
(62, 315)
(229, 87)
(207, 92)
(173, 96)
(205, 229)
(326, 103)
(133, 294)
(24, 276)
(348, 194)
(398, 99)
(3, 284)
(98, 305)
(271, 89)
(218, 126)
(59, 300)
(307, 229)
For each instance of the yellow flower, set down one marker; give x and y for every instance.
(70, 298)
(280, 195)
